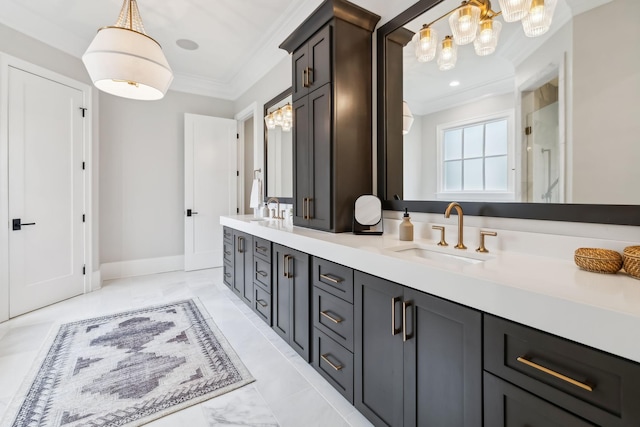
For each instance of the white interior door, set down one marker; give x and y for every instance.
(46, 186)
(210, 187)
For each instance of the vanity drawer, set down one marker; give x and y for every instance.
(227, 252)
(562, 372)
(262, 304)
(334, 317)
(227, 234)
(506, 405)
(262, 274)
(333, 278)
(262, 249)
(334, 363)
(227, 274)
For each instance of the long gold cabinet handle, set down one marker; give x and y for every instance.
(305, 78)
(336, 367)
(331, 279)
(555, 374)
(405, 336)
(328, 316)
(240, 244)
(309, 76)
(394, 330)
(309, 200)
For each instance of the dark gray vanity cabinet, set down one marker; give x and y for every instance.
(291, 298)
(227, 256)
(332, 102)
(418, 358)
(262, 288)
(332, 314)
(243, 266)
(536, 379)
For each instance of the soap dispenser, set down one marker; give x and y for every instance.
(406, 228)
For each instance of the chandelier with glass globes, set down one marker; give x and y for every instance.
(474, 22)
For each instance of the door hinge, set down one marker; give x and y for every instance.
(528, 130)
(84, 270)
(237, 136)
(238, 210)
(83, 165)
(237, 173)
(83, 218)
(83, 110)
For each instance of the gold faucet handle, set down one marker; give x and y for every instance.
(442, 242)
(482, 234)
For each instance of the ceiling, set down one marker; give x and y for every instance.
(238, 39)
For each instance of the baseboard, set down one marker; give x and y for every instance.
(96, 281)
(141, 267)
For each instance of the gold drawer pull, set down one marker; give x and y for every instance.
(583, 386)
(336, 367)
(262, 303)
(227, 253)
(262, 273)
(261, 248)
(331, 279)
(333, 319)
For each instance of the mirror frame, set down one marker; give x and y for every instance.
(390, 90)
(273, 101)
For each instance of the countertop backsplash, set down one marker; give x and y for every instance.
(553, 239)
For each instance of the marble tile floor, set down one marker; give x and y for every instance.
(287, 391)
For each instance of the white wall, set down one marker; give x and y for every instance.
(142, 173)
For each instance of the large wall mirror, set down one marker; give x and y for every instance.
(542, 127)
(278, 148)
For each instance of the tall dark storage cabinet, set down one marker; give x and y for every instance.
(331, 56)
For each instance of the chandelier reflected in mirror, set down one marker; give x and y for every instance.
(474, 22)
(282, 117)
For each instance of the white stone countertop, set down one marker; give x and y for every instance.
(553, 295)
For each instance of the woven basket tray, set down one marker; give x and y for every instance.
(631, 258)
(598, 260)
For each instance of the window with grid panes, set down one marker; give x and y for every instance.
(475, 157)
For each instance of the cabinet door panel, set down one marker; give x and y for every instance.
(300, 62)
(320, 59)
(281, 317)
(378, 376)
(506, 405)
(301, 154)
(320, 119)
(300, 303)
(442, 363)
(247, 264)
(239, 248)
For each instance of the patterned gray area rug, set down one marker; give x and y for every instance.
(128, 369)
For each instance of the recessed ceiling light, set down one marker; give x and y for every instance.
(187, 44)
(454, 83)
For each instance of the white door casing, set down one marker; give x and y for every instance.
(46, 186)
(210, 187)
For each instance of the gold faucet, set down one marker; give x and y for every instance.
(277, 215)
(447, 212)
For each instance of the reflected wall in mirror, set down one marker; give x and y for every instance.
(278, 148)
(550, 119)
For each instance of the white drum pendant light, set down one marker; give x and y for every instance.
(124, 61)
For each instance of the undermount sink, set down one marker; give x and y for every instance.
(417, 251)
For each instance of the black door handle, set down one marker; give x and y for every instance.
(191, 213)
(18, 224)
